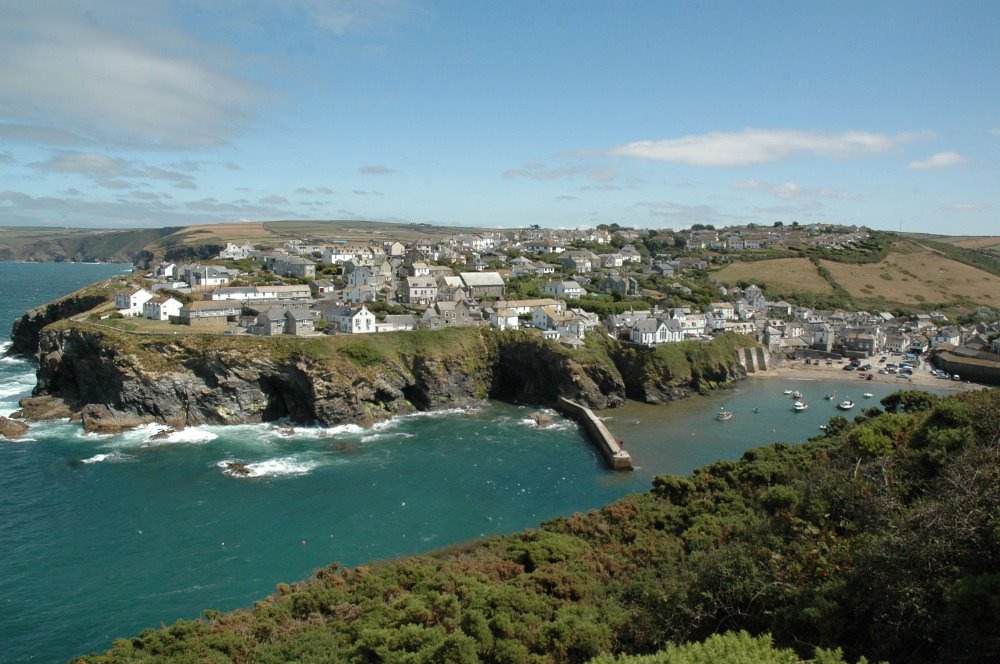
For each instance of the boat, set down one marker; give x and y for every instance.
(831, 396)
(724, 415)
(788, 391)
(868, 395)
(799, 406)
(846, 404)
(797, 395)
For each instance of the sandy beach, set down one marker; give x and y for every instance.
(922, 377)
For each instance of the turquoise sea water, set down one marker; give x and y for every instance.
(103, 536)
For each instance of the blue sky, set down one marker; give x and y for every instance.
(563, 114)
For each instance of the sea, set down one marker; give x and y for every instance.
(103, 536)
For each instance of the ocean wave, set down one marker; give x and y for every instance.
(424, 414)
(191, 435)
(327, 432)
(16, 385)
(278, 467)
(4, 345)
(98, 458)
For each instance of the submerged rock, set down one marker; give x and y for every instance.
(542, 419)
(12, 429)
(48, 408)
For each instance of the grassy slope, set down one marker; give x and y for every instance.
(880, 538)
(912, 274)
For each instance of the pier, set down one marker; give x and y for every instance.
(598, 434)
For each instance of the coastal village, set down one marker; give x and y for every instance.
(563, 283)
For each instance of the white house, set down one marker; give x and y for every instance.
(653, 331)
(564, 289)
(129, 303)
(161, 308)
(504, 318)
(350, 320)
(236, 251)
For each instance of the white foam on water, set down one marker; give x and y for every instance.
(190, 435)
(4, 345)
(429, 414)
(278, 467)
(112, 457)
(328, 432)
(16, 385)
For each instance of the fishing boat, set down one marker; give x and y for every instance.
(799, 406)
(724, 415)
(868, 395)
(846, 404)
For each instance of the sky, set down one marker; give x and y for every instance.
(132, 113)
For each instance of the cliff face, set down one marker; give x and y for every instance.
(675, 371)
(25, 332)
(180, 381)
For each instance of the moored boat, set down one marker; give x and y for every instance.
(724, 415)
(868, 395)
(799, 406)
(846, 404)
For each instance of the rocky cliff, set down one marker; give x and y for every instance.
(675, 371)
(25, 332)
(120, 380)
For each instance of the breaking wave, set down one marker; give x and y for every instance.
(278, 467)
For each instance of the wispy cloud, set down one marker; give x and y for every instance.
(538, 171)
(6, 158)
(375, 170)
(343, 16)
(273, 199)
(108, 171)
(790, 190)
(680, 215)
(938, 160)
(755, 146)
(968, 208)
(113, 73)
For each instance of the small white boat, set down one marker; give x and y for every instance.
(724, 415)
(788, 392)
(799, 406)
(797, 395)
(847, 404)
(868, 395)
(831, 396)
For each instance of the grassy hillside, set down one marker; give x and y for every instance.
(912, 275)
(127, 245)
(75, 244)
(880, 538)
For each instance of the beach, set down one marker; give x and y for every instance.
(922, 376)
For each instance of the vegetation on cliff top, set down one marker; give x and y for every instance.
(882, 539)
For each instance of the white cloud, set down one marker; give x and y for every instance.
(343, 16)
(755, 146)
(681, 215)
(116, 73)
(790, 190)
(107, 170)
(273, 199)
(375, 170)
(939, 160)
(968, 208)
